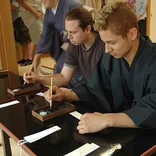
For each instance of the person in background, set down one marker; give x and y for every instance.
(53, 39)
(84, 49)
(98, 4)
(131, 3)
(33, 23)
(123, 84)
(140, 10)
(21, 31)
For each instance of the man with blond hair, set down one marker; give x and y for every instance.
(123, 84)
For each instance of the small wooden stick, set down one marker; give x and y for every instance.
(28, 74)
(51, 92)
(150, 151)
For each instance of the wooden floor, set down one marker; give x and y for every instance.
(45, 62)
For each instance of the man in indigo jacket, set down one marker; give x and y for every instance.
(53, 39)
(123, 84)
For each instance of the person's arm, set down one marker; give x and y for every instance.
(14, 6)
(94, 122)
(143, 112)
(60, 94)
(60, 79)
(139, 16)
(80, 93)
(28, 7)
(64, 46)
(36, 61)
(40, 46)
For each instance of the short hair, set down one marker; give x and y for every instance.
(116, 16)
(82, 15)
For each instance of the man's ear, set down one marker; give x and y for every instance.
(88, 29)
(133, 33)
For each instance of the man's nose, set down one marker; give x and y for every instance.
(107, 48)
(69, 36)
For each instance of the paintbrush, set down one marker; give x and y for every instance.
(51, 92)
(28, 74)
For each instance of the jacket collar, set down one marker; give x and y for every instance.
(112, 66)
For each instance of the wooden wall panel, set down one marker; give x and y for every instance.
(152, 33)
(7, 44)
(3, 61)
(148, 18)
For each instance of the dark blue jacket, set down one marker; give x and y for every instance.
(53, 26)
(104, 89)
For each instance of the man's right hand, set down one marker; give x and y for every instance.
(30, 77)
(59, 94)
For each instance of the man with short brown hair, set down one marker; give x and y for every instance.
(84, 50)
(123, 84)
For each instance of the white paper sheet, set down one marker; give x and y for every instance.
(76, 114)
(83, 150)
(9, 104)
(40, 94)
(110, 151)
(42, 134)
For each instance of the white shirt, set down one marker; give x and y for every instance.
(55, 9)
(27, 16)
(140, 8)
